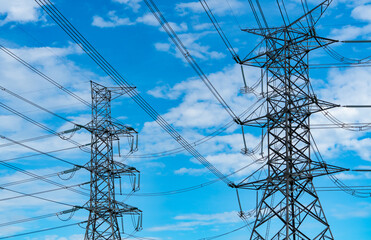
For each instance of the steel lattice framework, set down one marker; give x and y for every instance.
(104, 209)
(289, 207)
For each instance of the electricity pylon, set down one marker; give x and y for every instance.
(289, 207)
(104, 209)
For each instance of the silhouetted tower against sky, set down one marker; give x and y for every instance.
(105, 210)
(289, 207)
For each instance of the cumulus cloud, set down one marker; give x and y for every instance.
(199, 107)
(20, 80)
(22, 11)
(361, 12)
(199, 114)
(339, 89)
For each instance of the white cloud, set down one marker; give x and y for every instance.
(199, 107)
(218, 7)
(163, 47)
(148, 19)
(10, 230)
(198, 114)
(113, 21)
(22, 81)
(191, 171)
(225, 217)
(203, 26)
(349, 32)
(183, 226)
(360, 210)
(362, 12)
(19, 11)
(133, 4)
(197, 50)
(346, 176)
(177, 27)
(339, 89)
(192, 221)
(72, 237)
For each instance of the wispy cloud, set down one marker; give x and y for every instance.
(193, 221)
(133, 4)
(113, 21)
(219, 7)
(360, 210)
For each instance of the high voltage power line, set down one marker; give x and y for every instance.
(58, 17)
(287, 143)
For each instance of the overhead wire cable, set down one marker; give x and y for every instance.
(33, 196)
(99, 55)
(41, 152)
(262, 13)
(35, 105)
(356, 128)
(187, 55)
(213, 134)
(6, 224)
(138, 237)
(41, 230)
(255, 15)
(22, 195)
(33, 69)
(36, 123)
(18, 169)
(70, 30)
(227, 233)
(339, 57)
(43, 45)
(336, 180)
(40, 137)
(281, 12)
(234, 15)
(348, 126)
(49, 79)
(27, 180)
(220, 30)
(187, 189)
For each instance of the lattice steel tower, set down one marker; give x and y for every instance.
(105, 210)
(289, 207)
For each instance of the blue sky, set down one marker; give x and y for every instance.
(127, 35)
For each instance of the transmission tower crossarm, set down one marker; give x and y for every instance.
(355, 41)
(319, 9)
(318, 169)
(356, 106)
